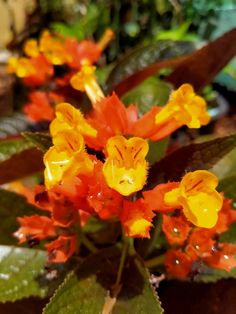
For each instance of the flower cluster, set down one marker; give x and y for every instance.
(44, 59)
(97, 167)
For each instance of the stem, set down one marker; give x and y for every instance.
(122, 262)
(89, 245)
(156, 261)
(155, 234)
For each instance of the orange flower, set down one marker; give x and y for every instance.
(125, 168)
(39, 108)
(197, 195)
(34, 228)
(155, 197)
(223, 257)
(106, 202)
(136, 219)
(31, 48)
(183, 108)
(110, 118)
(60, 250)
(200, 243)
(178, 263)
(176, 229)
(64, 214)
(227, 216)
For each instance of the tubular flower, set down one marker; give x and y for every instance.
(197, 195)
(125, 169)
(22, 67)
(85, 80)
(223, 257)
(183, 108)
(136, 219)
(68, 118)
(34, 228)
(31, 48)
(61, 249)
(67, 158)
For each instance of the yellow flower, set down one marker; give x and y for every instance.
(22, 67)
(67, 118)
(125, 169)
(185, 107)
(66, 159)
(31, 48)
(197, 195)
(85, 80)
(53, 49)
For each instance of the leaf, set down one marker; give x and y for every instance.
(197, 68)
(86, 290)
(13, 125)
(11, 147)
(157, 150)
(20, 165)
(189, 158)
(213, 275)
(200, 67)
(228, 186)
(131, 69)
(12, 205)
(42, 141)
(229, 235)
(226, 167)
(22, 274)
(148, 94)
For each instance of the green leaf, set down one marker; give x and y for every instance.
(142, 57)
(228, 186)
(148, 94)
(22, 274)
(86, 290)
(195, 156)
(226, 167)
(230, 235)
(12, 205)
(11, 147)
(212, 275)
(157, 150)
(42, 141)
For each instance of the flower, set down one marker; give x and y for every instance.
(200, 242)
(176, 229)
(66, 159)
(178, 263)
(125, 168)
(39, 108)
(223, 257)
(85, 80)
(197, 196)
(34, 228)
(67, 118)
(136, 218)
(60, 250)
(183, 108)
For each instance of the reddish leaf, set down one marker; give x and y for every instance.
(21, 165)
(197, 68)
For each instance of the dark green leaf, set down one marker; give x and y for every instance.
(189, 158)
(11, 147)
(22, 274)
(229, 235)
(157, 150)
(228, 186)
(213, 275)
(12, 205)
(86, 290)
(42, 141)
(142, 57)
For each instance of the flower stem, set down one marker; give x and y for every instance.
(89, 245)
(122, 262)
(156, 261)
